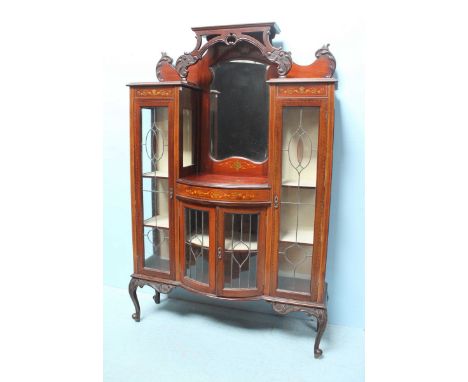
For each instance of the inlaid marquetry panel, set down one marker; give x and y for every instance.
(302, 91)
(223, 195)
(159, 92)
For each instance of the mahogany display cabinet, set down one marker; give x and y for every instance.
(231, 166)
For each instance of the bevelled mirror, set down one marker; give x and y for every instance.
(239, 104)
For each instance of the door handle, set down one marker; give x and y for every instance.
(220, 253)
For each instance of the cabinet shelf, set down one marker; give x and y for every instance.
(206, 243)
(160, 222)
(293, 183)
(303, 236)
(156, 174)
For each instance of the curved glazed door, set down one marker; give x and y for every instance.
(222, 249)
(240, 252)
(198, 236)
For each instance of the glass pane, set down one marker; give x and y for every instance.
(197, 242)
(240, 250)
(154, 137)
(154, 133)
(239, 107)
(299, 172)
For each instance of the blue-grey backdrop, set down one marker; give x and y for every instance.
(131, 55)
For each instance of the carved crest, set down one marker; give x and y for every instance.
(324, 51)
(232, 37)
(165, 59)
(282, 59)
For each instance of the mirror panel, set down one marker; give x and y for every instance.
(187, 128)
(239, 109)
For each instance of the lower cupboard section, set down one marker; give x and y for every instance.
(223, 252)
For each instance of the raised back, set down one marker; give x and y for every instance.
(189, 66)
(215, 46)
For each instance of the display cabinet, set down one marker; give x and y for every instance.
(231, 161)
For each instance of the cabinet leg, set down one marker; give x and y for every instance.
(319, 313)
(158, 289)
(132, 287)
(157, 297)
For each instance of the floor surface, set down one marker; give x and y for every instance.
(186, 341)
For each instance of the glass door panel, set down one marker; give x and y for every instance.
(155, 177)
(297, 207)
(240, 250)
(196, 244)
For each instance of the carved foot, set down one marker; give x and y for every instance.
(157, 297)
(319, 313)
(133, 295)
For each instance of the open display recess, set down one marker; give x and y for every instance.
(231, 161)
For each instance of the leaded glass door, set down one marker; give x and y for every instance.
(197, 227)
(296, 198)
(240, 252)
(153, 183)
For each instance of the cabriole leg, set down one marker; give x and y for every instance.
(321, 315)
(132, 287)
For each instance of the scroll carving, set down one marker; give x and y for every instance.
(158, 287)
(282, 59)
(165, 59)
(183, 62)
(275, 55)
(324, 51)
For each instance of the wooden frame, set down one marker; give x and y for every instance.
(235, 185)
